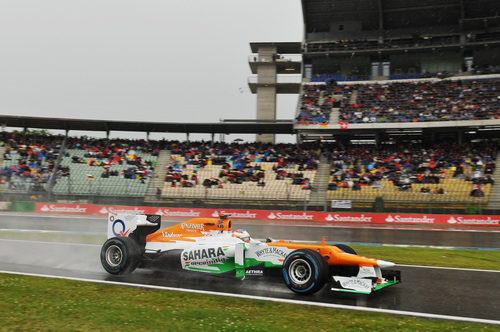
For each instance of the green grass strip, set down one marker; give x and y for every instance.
(41, 304)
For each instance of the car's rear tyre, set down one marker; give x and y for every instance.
(346, 249)
(120, 255)
(305, 271)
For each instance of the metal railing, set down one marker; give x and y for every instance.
(282, 58)
(283, 79)
(213, 198)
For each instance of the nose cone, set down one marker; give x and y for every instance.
(384, 264)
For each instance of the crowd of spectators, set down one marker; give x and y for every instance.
(102, 147)
(29, 160)
(317, 103)
(424, 101)
(485, 69)
(360, 166)
(239, 163)
(106, 153)
(203, 153)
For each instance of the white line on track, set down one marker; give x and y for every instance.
(243, 222)
(448, 268)
(357, 226)
(64, 216)
(46, 231)
(50, 242)
(23, 230)
(388, 245)
(253, 297)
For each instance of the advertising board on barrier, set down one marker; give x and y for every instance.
(341, 204)
(329, 217)
(64, 208)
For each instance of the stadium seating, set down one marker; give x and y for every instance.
(424, 101)
(318, 100)
(442, 173)
(104, 177)
(273, 189)
(27, 162)
(259, 172)
(229, 172)
(409, 101)
(89, 166)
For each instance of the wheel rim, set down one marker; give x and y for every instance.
(300, 271)
(114, 255)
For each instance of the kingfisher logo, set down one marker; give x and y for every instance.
(120, 229)
(193, 227)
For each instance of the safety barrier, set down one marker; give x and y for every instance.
(329, 217)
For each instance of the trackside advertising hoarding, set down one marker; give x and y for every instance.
(330, 217)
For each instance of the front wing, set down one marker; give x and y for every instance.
(365, 285)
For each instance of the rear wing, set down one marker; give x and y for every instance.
(122, 225)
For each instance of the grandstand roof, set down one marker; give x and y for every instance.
(395, 14)
(227, 127)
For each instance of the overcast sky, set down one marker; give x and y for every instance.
(149, 60)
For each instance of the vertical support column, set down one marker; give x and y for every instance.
(266, 89)
(380, 10)
(461, 23)
(52, 181)
(460, 137)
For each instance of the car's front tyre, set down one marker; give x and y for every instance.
(305, 271)
(120, 255)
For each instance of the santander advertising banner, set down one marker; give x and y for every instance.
(329, 217)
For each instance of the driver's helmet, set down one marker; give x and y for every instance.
(242, 234)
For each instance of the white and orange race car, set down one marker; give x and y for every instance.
(211, 246)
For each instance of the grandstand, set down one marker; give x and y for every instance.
(398, 101)
(230, 172)
(250, 173)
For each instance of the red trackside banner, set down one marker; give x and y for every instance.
(329, 217)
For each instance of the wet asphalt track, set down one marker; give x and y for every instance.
(474, 294)
(479, 238)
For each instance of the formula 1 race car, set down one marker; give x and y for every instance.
(211, 246)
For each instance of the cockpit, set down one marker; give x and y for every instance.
(243, 235)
